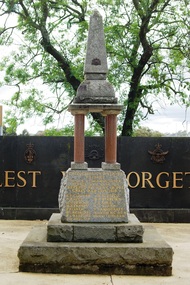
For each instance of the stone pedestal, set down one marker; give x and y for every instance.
(95, 233)
(152, 257)
(94, 195)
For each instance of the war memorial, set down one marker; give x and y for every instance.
(94, 231)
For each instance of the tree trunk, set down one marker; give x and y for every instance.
(132, 106)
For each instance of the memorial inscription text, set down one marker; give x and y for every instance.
(96, 194)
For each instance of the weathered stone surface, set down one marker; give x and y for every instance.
(79, 166)
(103, 108)
(94, 232)
(94, 195)
(130, 234)
(95, 88)
(60, 233)
(152, 257)
(111, 166)
(95, 91)
(96, 58)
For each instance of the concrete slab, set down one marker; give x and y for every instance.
(152, 257)
(13, 232)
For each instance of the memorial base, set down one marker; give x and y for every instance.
(94, 196)
(152, 257)
(94, 232)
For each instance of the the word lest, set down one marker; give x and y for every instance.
(20, 179)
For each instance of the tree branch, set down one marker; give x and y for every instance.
(135, 92)
(63, 63)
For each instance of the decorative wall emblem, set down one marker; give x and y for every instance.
(158, 155)
(94, 152)
(30, 153)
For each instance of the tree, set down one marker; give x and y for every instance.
(146, 132)
(25, 133)
(179, 134)
(67, 131)
(8, 132)
(147, 47)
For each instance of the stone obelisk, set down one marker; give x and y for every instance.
(95, 88)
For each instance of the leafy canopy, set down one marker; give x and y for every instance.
(44, 41)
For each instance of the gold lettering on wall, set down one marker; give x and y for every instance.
(9, 177)
(146, 177)
(20, 179)
(158, 180)
(137, 179)
(177, 176)
(163, 180)
(34, 173)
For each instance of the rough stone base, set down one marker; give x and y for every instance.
(94, 232)
(152, 257)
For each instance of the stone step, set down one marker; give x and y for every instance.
(94, 232)
(152, 257)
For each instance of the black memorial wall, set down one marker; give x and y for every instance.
(157, 170)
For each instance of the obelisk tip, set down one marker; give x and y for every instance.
(96, 58)
(96, 12)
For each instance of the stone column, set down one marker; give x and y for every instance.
(111, 139)
(79, 139)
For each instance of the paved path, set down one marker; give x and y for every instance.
(12, 233)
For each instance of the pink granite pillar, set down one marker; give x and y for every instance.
(79, 138)
(111, 139)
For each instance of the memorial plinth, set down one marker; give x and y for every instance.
(94, 195)
(94, 232)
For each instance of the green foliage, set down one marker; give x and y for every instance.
(146, 132)
(68, 130)
(8, 131)
(93, 128)
(179, 134)
(147, 46)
